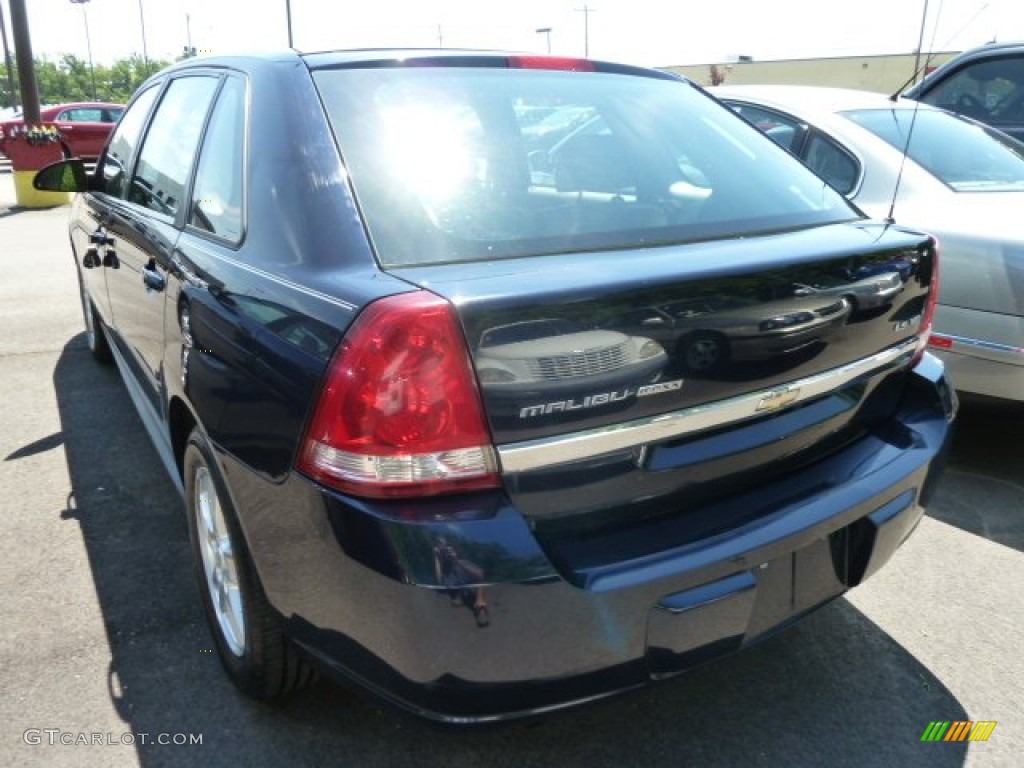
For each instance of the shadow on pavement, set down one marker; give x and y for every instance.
(982, 491)
(14, 210)
(833, 690)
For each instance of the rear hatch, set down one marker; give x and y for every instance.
(599, 380)
(662, 306)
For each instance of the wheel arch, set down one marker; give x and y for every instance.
(181, 421)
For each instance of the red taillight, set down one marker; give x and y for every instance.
(399, 414)
(928, 315)
(940, 342)
(564, 63)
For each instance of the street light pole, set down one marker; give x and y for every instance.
(288, 12)
(547, 32)
(88, 44)
(142, 26)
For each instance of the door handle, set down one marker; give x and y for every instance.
(100, 237)
(152, 279)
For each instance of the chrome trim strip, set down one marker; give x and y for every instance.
(986, 350)
(285, 282)
(535, 454)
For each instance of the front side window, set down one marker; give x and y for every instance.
(169, 148)
(962, 154)
(81, 115)
(115, 163)
(217, 193)
(991, 91)
(453, 164)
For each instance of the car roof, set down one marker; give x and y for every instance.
(810, 101)
(327, 59)
(984, 51)
(989, 50)
(387, 57)
(471, 58)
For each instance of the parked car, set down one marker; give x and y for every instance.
(552, 361)
(711, 332)
(84, 126)
(305, 267)
(870, 292)
(985, 83)
(962, 181)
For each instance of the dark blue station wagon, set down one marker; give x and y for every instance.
(487, 379)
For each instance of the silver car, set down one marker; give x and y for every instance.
(961, 181)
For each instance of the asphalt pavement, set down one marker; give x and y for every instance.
(104, 641)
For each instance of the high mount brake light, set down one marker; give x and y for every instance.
(565, 63)
(399, 414)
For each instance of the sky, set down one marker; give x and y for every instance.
(644, 32)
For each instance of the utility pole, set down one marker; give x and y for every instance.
(586, 10)
(26, 67)
(7, 63)
(440, 37)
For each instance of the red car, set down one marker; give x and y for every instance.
(84, 126)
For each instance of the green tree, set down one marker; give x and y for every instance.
(71, 79)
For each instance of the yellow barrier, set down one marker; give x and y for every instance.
(28, 196)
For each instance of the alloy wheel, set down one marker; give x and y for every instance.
(219, 562)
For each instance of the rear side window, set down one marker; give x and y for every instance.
(169, 148)
(831, 162)
(217, 193)
(114, 165)
(453, 164)
(960, 153)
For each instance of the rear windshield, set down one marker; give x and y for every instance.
(465, 164)
(964, 155)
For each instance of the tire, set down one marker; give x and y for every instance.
(95, 334)
(257, 656)
(703, 352)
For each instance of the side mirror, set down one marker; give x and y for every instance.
(62, 176)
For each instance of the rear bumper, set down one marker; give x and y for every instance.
(389, 594)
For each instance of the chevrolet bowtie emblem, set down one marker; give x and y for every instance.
(777, 399)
